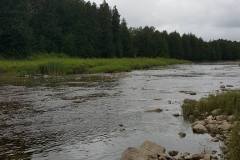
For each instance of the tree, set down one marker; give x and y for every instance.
(117, 49)
(175, 45)
(126, 40)
(106, 35)
(15, 33)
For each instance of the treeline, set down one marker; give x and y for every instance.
(83, 29)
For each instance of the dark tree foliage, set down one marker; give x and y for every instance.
(83, 29)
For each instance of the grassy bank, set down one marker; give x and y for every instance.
(61, 66)
(229, 104)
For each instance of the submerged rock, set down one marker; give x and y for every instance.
(158, 110)
(173, 153)
(176, 115)
(222, 86)
(182, 135)
(189, 92)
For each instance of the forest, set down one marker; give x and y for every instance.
(83, 29)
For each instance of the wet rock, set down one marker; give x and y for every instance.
(182, 135)
(195, 157)
(122, 129)
(199, 128)
(221, 118)
(176, 115)
(207, 157)
(222, 86)
(199, 122)
(158, 110)
(147, 151)
(212, 128)
(225, 126)
(132, 154)
(173, 153)
(189, 92)
(149, 147)
(214, 152)
(215, 140)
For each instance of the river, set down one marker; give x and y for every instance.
(96, 117)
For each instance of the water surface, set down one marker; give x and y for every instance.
(96, 117)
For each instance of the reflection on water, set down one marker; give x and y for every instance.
(96, 117)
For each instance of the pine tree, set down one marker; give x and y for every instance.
(15, 33)
(106, 35)
(116, 32)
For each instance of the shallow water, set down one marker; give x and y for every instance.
(81, 117)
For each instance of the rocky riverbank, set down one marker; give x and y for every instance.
(152, 151)
(221, 123)
(218, 126)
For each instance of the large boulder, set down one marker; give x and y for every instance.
(225, 126)
(147, 151)
(212, 128)
(151, 149)
(173, 153)
(199, 128)
(132, 154)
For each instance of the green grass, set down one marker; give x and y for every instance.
(229, 103)
(65, 65)
(234, 145)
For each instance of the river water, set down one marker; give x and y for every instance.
(96, 117)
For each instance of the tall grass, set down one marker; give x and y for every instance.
(65, 65)
(228, 102)
(234, 146)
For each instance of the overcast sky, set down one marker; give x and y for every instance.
(209, 19)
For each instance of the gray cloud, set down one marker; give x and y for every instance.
(210, 19)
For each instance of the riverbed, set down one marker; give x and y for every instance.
(96, 117)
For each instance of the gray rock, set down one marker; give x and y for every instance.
(176, 115)
(199, 128)
(212, 128)
(132, 154)
(152, 147)
(147, 151)
(173, 153)
(189, 92)
(221, 117)
(225, 126)
(182, 134)
(195, 157)
(222, 86)
(207, 157)
(158, 110)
